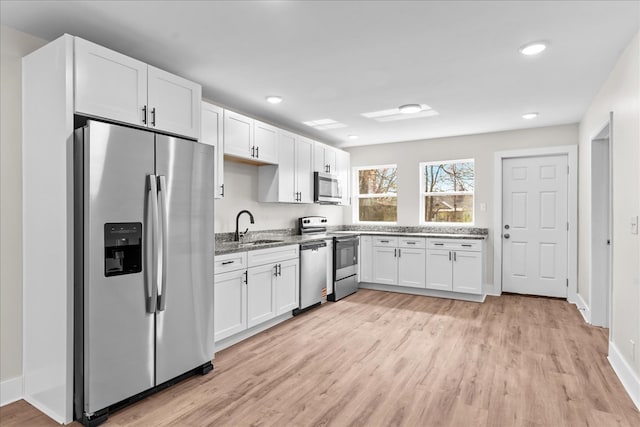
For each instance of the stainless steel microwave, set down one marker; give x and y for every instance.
(327, 188)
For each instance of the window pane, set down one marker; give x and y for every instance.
(448, 208)
(449, 177)
(377, 181)
(378, 209)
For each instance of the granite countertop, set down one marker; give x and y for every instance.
(224, 247)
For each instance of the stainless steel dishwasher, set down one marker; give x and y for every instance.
(313, 274)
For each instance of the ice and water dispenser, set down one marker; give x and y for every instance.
(122, 248)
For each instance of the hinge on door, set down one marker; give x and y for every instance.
(567, 283)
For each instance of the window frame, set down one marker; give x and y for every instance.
(357, 196)
(423, 193)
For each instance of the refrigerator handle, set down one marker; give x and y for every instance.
(152, 279)
(162, 202)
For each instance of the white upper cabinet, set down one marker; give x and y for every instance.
(211, 134)
(173, 103)
(304, 170)
(292, 180)
(343, 166)
(109, 84)
(324, 158)
(238, 134)
(250, 139)
(119, 88)
(265, 142)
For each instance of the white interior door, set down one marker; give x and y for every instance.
(534, 225)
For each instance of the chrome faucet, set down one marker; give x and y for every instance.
(237, 235)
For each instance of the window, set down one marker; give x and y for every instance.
(377, 194)
(447, 191)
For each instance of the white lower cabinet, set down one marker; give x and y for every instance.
(230, 304)
(411, 267)
(398, 261)
(287, 287)
(263, 287)
(455, 265)
(385, 265)
(366, 259)
(261, 302)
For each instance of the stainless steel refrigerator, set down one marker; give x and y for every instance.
(144, 264)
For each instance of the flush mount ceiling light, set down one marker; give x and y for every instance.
(352, 136)
(534, 48)
(394, 114)
(274, 99)
(530, 116)
(410, 108)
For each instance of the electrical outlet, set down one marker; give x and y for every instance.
(483, 207)
(634, 224)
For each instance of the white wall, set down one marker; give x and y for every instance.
(621, 95)
(241, 192)
(13, 46)
(481, 148)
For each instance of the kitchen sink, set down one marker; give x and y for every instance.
(261, 242)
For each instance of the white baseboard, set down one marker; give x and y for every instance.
(10, 390)
(241, 336)
(583, 308)
(422, 292)
(623, 370)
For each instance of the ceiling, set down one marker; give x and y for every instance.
(337, 60)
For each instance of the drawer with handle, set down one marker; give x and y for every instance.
(412, 242)
(230, 262)
(391, 241)
(455, 244)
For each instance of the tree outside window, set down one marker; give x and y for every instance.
(447, 191)
(377, 193)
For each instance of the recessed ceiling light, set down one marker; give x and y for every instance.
(530, 116)
(352, 136)
(533, 48)
(410, 108)
(273, 99)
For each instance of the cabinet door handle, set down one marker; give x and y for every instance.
(275, 267)
(279, 269)
(153, 117)
(257, 152)
(466, 246)
(449, 255)
(455, 258)
(144, 115)
(222, 190)
(395, 251)
(438, 244)
(399, 252)
(227, 262)
(246, 277)
(300, 196)
(384, 241)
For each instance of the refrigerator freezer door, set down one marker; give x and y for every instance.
(118, 328)
(184, 321)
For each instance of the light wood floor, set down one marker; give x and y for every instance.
(378, 359)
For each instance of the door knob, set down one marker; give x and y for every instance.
(506, 236)
(506, 227)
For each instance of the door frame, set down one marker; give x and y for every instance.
(571, 151)
(595, 304)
